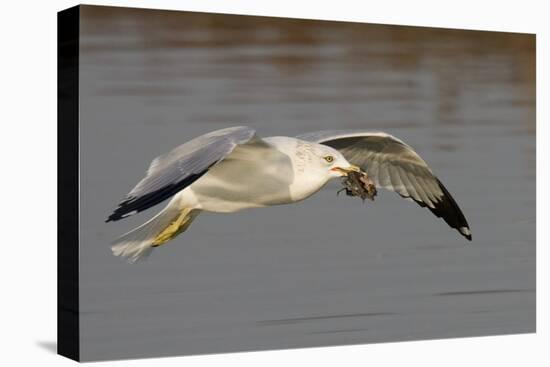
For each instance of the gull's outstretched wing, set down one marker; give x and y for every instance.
(179, 168)
(395, 166)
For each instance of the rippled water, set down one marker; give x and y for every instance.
(329, 270)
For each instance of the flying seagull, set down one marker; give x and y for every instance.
(232, 169)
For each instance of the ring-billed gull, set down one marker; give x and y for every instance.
(232, 169)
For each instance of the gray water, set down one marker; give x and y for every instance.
(330, 270)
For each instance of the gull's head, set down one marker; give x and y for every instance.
(332, 162)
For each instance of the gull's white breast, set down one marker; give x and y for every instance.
(261, 173)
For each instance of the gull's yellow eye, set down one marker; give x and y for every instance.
(329, 158)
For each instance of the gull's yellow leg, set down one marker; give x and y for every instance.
(178, 225)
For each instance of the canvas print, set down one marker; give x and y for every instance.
(233, 183)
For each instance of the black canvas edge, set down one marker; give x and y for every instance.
(68, 26)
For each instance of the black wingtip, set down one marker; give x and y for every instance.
(120, 213)
(448, 209)
(112, 218)
(465, 231)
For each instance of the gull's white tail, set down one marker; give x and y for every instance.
(139, 242)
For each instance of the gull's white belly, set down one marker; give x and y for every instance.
(217, 195)
(240, 183)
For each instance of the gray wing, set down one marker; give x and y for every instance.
(179, 168)
(395, 166)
